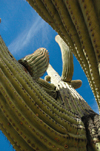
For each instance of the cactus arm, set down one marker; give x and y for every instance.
(67, 59)
(36, 63)
(76, 84)
(68, 67)
(46, 84)
(48, 87)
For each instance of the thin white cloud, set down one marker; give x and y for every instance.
(24, 38)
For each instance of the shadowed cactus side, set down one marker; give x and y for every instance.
(36, 63)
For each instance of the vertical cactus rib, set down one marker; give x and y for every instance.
(96, 4)
(92, 23)
(93, 27)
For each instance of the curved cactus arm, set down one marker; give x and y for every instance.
(68, 67)
(67, 58)
(36, 63)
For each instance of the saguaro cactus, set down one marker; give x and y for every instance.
(37, 115)
(32, 118)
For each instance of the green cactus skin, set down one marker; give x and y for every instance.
(67, 58)
(90, 119)
(87, 47)
(47, 78)
(85, 42)
(67, 122)
(76, 84)
(77, 22)
(92, 23)
(48, 87)
(36, 63)
(26, 107)
(68, 67)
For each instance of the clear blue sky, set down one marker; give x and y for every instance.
(23, 32)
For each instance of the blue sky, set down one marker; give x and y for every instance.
(23, 32)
